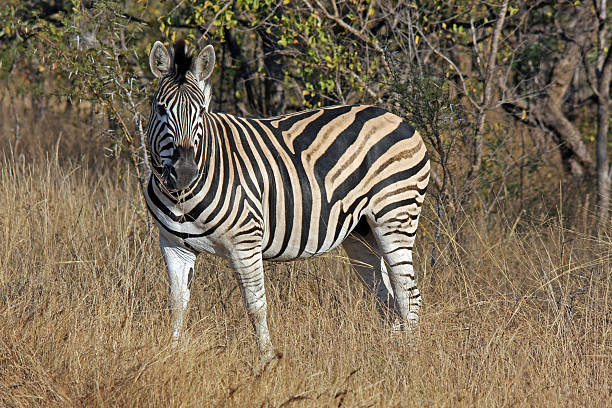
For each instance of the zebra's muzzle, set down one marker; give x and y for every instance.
(183, 171)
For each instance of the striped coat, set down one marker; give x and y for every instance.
(282, 188)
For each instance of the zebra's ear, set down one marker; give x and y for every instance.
(204, 63)
(159, 60)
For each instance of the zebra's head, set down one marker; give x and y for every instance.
(175, 129)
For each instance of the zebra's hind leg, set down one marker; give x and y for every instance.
(364, 254)
(396, 241)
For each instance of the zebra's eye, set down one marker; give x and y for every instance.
(161, 110)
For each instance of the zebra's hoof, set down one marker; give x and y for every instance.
(269, 354)
(404, 326)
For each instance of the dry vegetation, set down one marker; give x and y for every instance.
(517, 312)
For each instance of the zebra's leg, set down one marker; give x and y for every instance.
(396, 242)
(364, 254)
(248, 266)
(179, 262)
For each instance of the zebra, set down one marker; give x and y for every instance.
(282, 188)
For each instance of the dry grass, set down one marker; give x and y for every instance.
(514, 314)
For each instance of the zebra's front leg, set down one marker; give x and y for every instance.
(179, 262)
(249, 273)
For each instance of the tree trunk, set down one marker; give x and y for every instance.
(273, 83)
(274, 86)
(574, 152)
(242, 74)
(603, 168)
(604, 72)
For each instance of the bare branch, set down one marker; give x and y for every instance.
(447, 59)
(487, 91)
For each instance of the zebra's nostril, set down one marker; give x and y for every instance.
(183, 170)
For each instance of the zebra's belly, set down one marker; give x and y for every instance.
(219, 245)
(314, 244)
(293, 254)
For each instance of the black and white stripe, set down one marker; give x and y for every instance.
(283, 188)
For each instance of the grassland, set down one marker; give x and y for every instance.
(517, 312)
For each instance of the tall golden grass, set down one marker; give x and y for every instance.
(516, 312)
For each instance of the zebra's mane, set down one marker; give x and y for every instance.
(182, 61)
